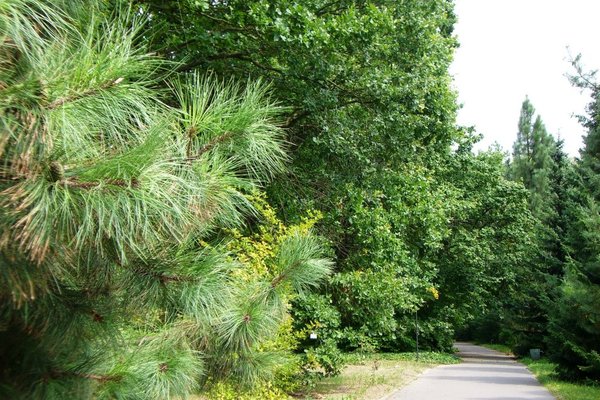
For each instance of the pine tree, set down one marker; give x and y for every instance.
(562, 183)
(523, 146)
(117, 188)
(534, 164)
(543, 149)
(575, 329)
(590, 154)
(532, 161)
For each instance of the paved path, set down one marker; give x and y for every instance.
(483, 375)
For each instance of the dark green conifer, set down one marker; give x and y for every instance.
(575, 318)
(534, 163)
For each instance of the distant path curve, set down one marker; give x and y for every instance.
(483, 375)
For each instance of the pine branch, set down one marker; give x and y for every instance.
(68, 99)
(214, 142)
(206, 147)
(96, 377)
(174, 278)
(99, 378)
(73, 182)
(56, 176)
(163, 278)
(279, 278)
(191, 133)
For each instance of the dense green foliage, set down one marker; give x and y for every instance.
(490, 237)
(372, 123)
(575, 318)
(554, 305)
(115, 279)
(539, 163)
(421, 228)
(155, 232)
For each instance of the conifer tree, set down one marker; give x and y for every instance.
(115, 194)
(562, 181)
(543, 148)
(532, 161)
(533, 164)
(574, 329)
(523, 146)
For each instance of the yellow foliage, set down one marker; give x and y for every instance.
(434, 292)
(285, 339)
(225, 391)
(256, 252)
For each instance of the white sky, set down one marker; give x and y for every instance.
(513, 48)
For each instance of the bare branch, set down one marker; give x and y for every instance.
(294, 118)
(237, 56)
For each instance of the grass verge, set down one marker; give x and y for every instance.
(372, 376)
(544, 370)
(502, 348)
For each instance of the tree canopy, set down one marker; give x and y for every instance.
(204, 193)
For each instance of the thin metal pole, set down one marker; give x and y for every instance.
(417, 333)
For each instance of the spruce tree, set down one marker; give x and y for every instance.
(117, 189)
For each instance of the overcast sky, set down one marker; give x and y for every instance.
(513, 48)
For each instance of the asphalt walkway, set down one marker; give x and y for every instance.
(483, 375)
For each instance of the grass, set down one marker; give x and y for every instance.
(424, 357)
(502, 348)
(372, 376)
(366, 376)
(544, 370)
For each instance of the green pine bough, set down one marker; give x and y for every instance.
(118, 185)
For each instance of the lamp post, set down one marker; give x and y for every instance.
(417, 333)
